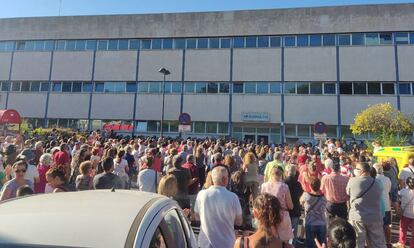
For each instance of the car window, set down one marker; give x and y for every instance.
(175, 227)
(158, 240)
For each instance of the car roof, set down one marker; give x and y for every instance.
(95, 218)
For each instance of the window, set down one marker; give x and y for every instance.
(174, 126)
(401, 38)
(315, 40)
(49, 45)
(251, 42)
(211, 127)
(303, 40)
(102, 45)
(374, 88)
(143, 87)
(223, 127)
(274, 88)
(176, 87)
(344, 39)
(225, 42)
(77, 87)
(20, 45)
(212, 88)
(29, 45)
(154, 87)
(275, 41)
(303, 130)
(290, 88)
(250, 88)
(224, 88)
(237, 87)
(316, 88)
(39, 45)
(405, 88)
(44, 86)
(189, 87)
(201, 88)
(262, 88)
(25, 86)
(303, 88)
(114, 86)
(156, 44)
(191, 43)
(99, 87)
(167, 43)
(328, 39)
(411, 38)
(290, 130)
(385, 38)
(5, 86)
(358, 39)
(360, 88)
(152, 126)
(66, 86)
(263, 41)
(329, 88)
(215, 43)
(35, 86)
(290, 41)
(238, 42)
(16, 86)
(87, 87)
(202, 43)
(57, 87)
(199, 127)
(345, 88)
(167, 87)
(7, 46)
(123, 44)
(146, 44)
(179, 43)
(80, 45)
(91, 45)
(131, 87)
(176, 228)
(133, 44)
(371, 39)
(388, 88)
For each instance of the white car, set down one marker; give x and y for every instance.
(95, 218)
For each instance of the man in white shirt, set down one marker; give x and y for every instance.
(407, 172)
(386, 183)
(218, 211)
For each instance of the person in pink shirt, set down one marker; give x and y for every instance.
(45, 162)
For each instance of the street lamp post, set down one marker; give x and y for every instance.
(164, 72)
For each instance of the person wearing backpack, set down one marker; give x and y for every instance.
(406, 212)
(365, 194)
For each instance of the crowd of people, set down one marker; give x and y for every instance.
(326, 195)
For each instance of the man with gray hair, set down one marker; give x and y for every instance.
(277, 162)
(218, 211)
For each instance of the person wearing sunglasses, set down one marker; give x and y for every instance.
(9, 189)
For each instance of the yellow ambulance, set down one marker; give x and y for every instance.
(400, 153)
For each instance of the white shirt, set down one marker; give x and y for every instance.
(218, 209)
(31, 173)
(146, 180)
(406, 173)
(119, 168)
(386, 183)
(407, 205)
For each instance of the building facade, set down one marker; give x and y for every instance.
(261, 74)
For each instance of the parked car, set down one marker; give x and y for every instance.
(98, 218)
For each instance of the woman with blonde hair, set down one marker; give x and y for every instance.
(251, 173)
(168, 186)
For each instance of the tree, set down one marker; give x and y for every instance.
(388, 125)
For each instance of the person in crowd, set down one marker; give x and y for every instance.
(341, 234)
(10, 153)
(275, 186)
(193, 186)
(184, 180)
(266, 210)
(238, 187)
(251, 173)
(277, 162)
(315, 209)
(56, 177)
(148, 178)
(230, 163)
(10, 187)
(218, 211)
(386, 185)
(107, 179)
(5, 175)
(78, 158)
(95, 158)
(132, 169)
(406, 213)
(262, 162)
(365, 194)
(84, 181)
(121, 167)
(407, 172)
(168, 186)
(31, 173)
(296, 191)
(62, 157)
(45, 162)
(38, 152)
(309, 172)
(200, 159)
(24, 190)
(334, 188)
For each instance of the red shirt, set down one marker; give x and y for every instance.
(61, 158)
(334, 187)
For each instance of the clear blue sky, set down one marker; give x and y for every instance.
(24, 8)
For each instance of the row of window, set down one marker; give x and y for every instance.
(197, 127)
(299, 88)
(354, 39)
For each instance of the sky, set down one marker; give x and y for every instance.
(29, 8)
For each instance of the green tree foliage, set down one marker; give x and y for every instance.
(384, 122)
